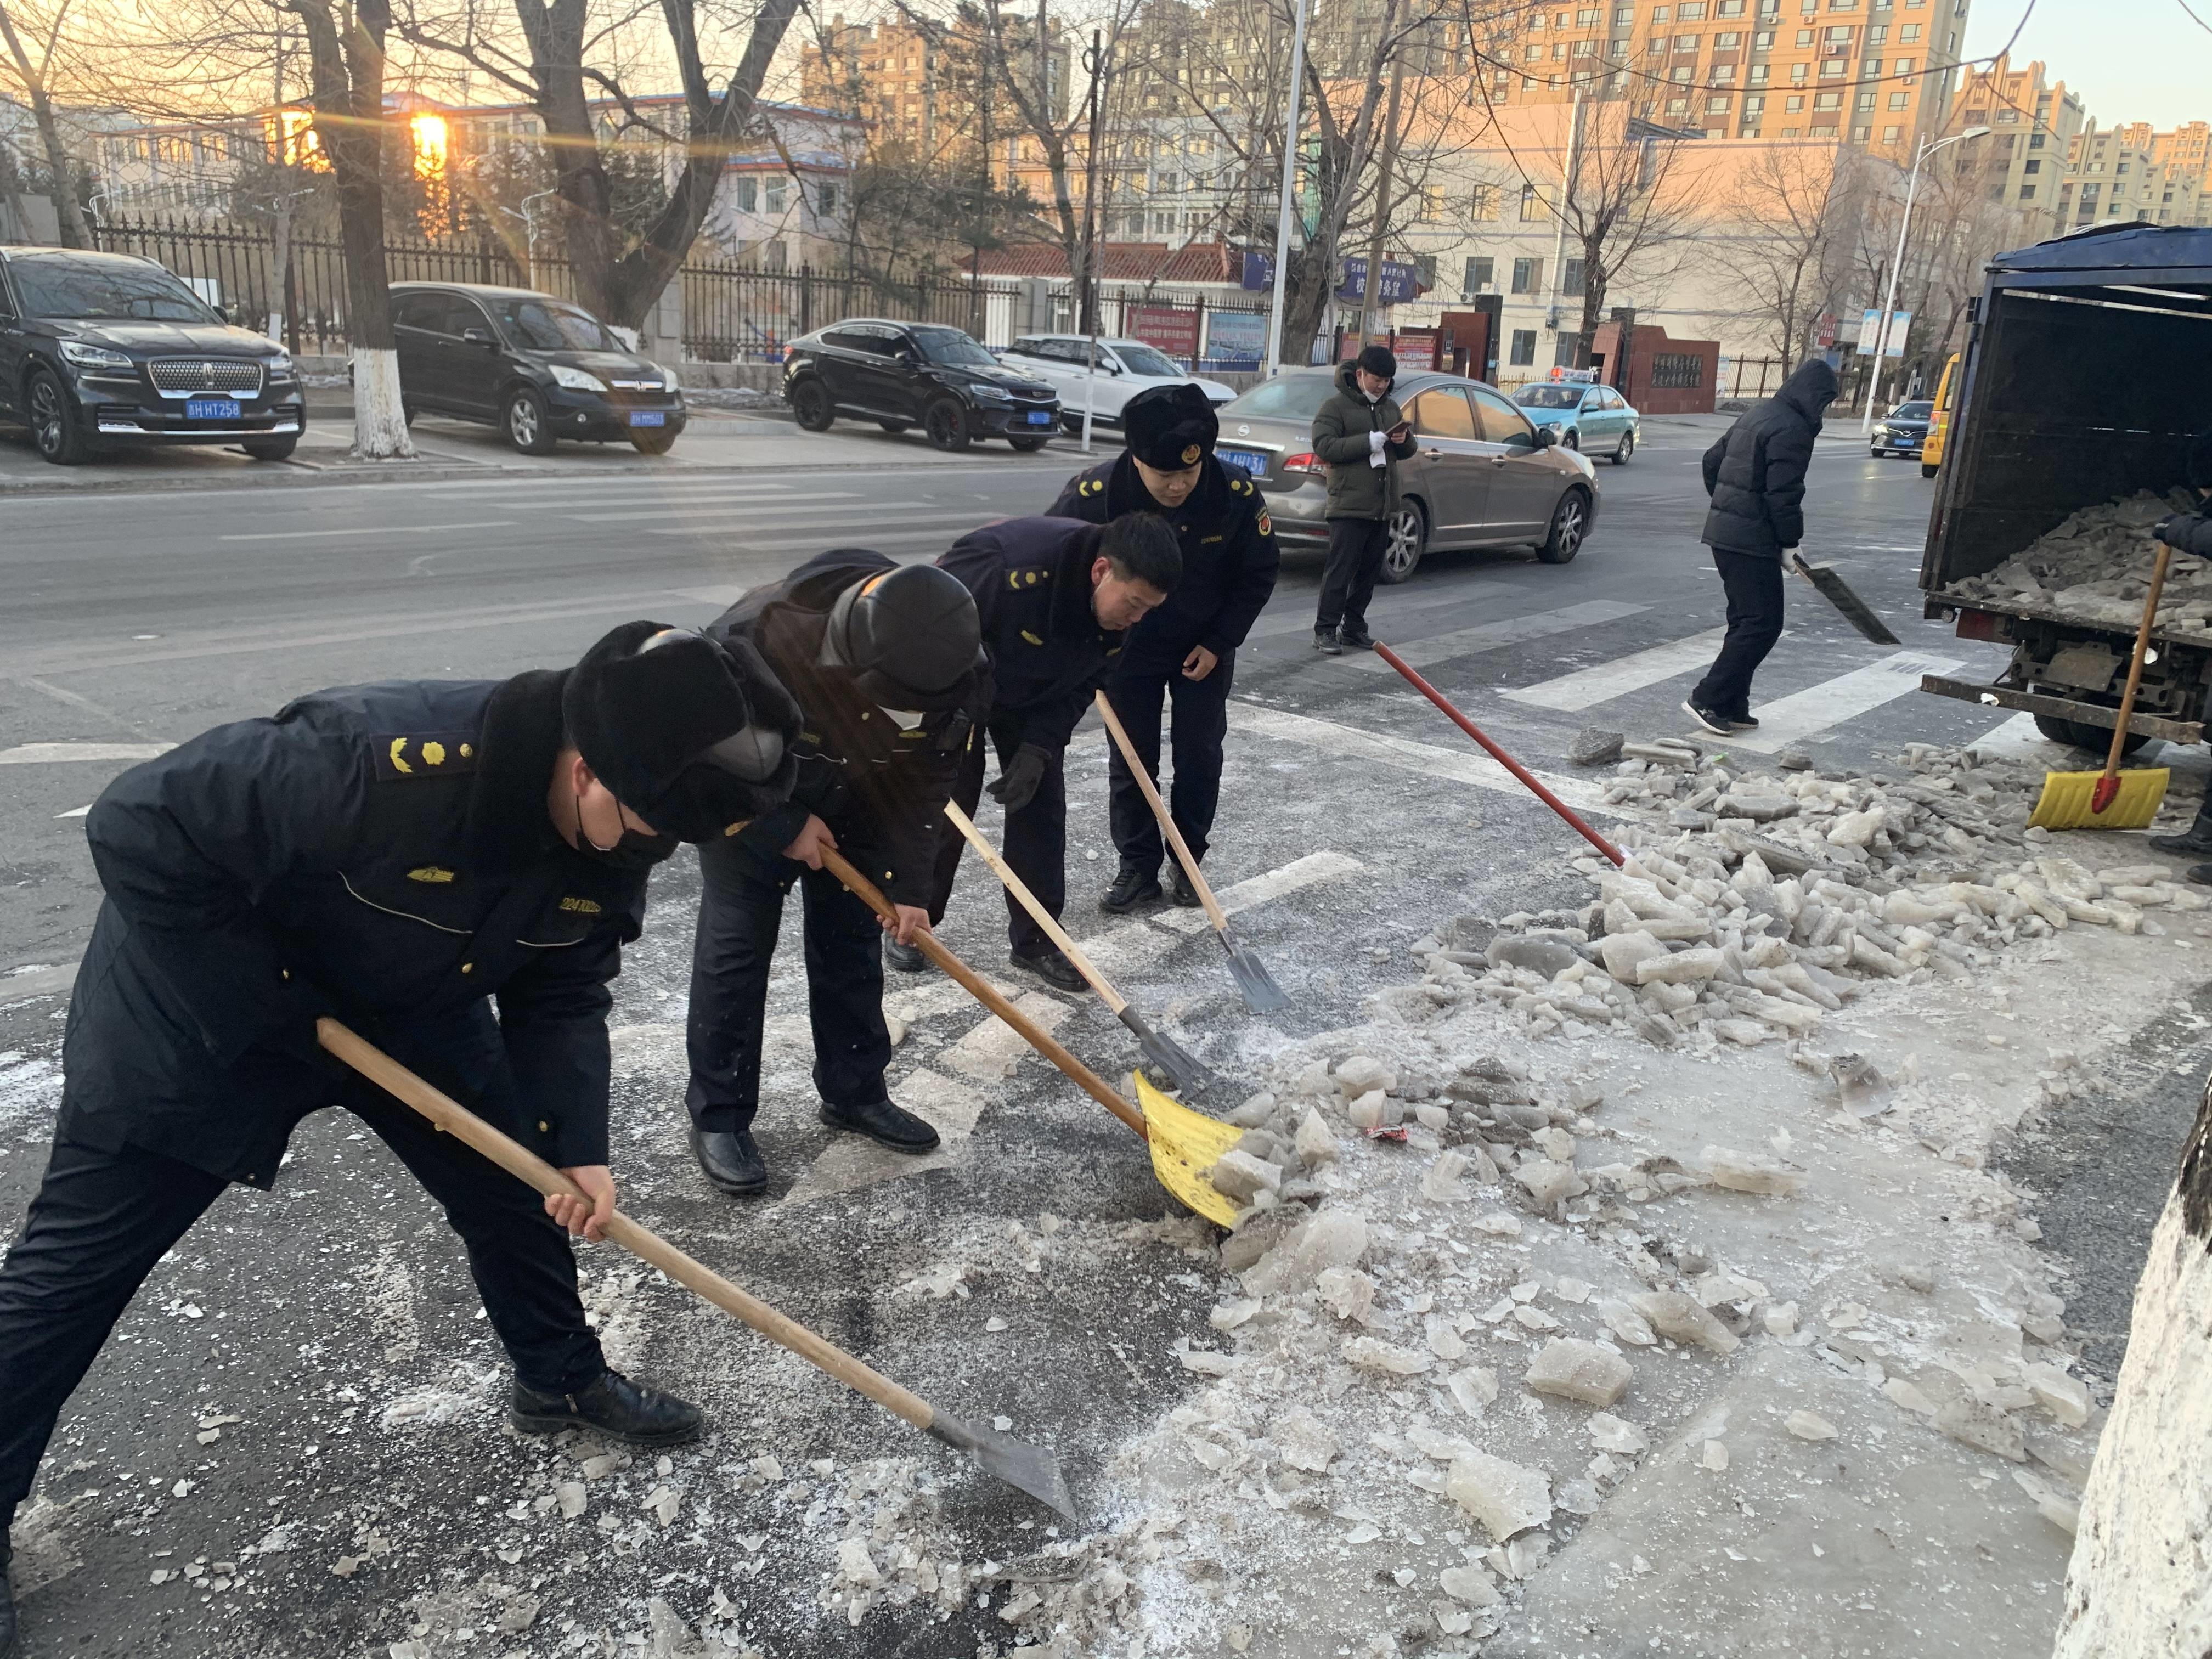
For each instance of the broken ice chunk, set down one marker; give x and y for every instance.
(1534, 1319)
(1347, 1293)
(1497, 1225)
(1780, 1318)
(1239, 1175)
(1334, 1238)
(1360, 1073)
(1673, 1315)
(1904, 1393)
(1548, 1182)
(1609, 1433)
(1470, 1584)
(1624, 1322)
(1474, 1388)
(1809, 1425)
(1441, 1182)
(2066, 1398)
(1369, 1353)
(1571, 1368)
(1228, 1316)
(1716, 1456)
(1571, 1290)
(1304, 1444)
(1506, 1497)
(1444, 1340)
(1315, 1141)
(1743, 1172)
(856, 1565)
(573, 1498)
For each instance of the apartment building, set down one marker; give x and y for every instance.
(2116, 175)
(2023, 161)
(927, 87)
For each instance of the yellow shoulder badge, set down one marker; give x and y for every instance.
(1034, 638)
(432, 754)
(433, 873)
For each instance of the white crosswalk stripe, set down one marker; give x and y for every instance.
(768, 495)
(1587, 687)
(1492, 637)
(1297, 617)
(834, 534)
(747, 512)
(1427, 760)
(1817, 708)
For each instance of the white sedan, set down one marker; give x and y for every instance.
(1125, 369)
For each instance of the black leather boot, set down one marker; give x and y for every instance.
(1326, 642)
(614, 1406)
(2194, 841)
(1132, 887)
(884, 1124)
(1354, 636)
(729, 1158)
(1048, 965)
(1180, 891)
(906, 958)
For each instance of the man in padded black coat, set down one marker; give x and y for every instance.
(1755, 475)
(1184, 652)
(401, 856)
(883, 663)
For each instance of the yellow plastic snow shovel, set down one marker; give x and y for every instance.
(1185, 1144)
(2112, 799)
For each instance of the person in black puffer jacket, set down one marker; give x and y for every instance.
(1755, 476)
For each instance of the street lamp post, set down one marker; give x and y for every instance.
(1273, 358)
(1897, 268)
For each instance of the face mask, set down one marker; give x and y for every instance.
(632, 851)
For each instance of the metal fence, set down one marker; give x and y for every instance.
(732, 313)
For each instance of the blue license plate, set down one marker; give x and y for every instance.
(1040, 417)
(649, 417)
(210, 409)
(1255, 464)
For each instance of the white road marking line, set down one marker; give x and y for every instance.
(783, 506)
(1817, 708)
(370, 530)
(1466, 765)
(833, 534)
(1492, 637)
(74, 812)
(44, 754)
(679, 497)
(2016, 738)
(40, 982)
(851, 1161)
(1587, 687)
(1297, 618)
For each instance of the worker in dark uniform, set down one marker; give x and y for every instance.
(882, 661)
(1183, 654)
(397, 855)
(1055, 596)
(2191, 533)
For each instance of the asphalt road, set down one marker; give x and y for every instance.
(331, 1317)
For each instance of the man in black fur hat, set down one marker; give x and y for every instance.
(884, 661)
(397, 855)
(1183, 654)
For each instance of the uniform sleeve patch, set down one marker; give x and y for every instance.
(583, 907)
(1034, 638)
(436, 874)
(426, 755)
(1266, 525)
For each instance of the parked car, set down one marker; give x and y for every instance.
(104, 348)
(1125, 369)
(1904, 430)
(1481, 474)
(536, 366)
(903, 374)
(1595, 419)
(1939, 420)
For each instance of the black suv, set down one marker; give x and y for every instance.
(899, 375)
(536, 366)
(100, 349)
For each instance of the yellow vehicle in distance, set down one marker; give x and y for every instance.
(1939, 425)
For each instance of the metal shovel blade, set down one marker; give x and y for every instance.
(1018, 1464)
(1838, 592)
(1183, 1068)
(1261, 994)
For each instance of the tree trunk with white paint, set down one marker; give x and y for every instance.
(2141, 1581)
(380, 424)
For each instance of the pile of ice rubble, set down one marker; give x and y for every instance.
(2096, 567)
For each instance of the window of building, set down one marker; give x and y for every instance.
(1890, 135)
(2121, 169)
(2035, 141)
(1793, 104)
(1804, 38)
(1860, 134)
(2031, 167)
(826, 198)
(1659, 14)
(1877, 34)
(1686, 43)
(1905, 66)
(1565, 349)
(1834, 70)
(1522, 353)
(2027, 192)
(1480, 275)
(1681, 73)
(1799, 74)
(1753, 104)
(1759, 73)
(1728, 9)
(1678, 105)
(1728, 41)
(772, 195)
(748, 196)
(1570, 277)
(1532, 203)
(1763, 40)
(1909, 33)
(1527, 276)
(1716, 102)
(1722, 73)
(1901, 100)
(1828, 101)
(1747, 131)
(1863, 103)
(1482, 202)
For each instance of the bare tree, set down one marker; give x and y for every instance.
(33, 74)
(1789, 226)
(551, 58)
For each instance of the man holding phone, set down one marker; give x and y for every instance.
(1362, 434)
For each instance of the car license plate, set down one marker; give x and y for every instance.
(210, 409)
(649, 417)
(1255, 464)
(1902, 441)
(1040, 417)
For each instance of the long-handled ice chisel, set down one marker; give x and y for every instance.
(1163, 1050)
(1498, 755)
(1185, 1144)
(1261, 994)
(1837, 592)
(1034, 1471)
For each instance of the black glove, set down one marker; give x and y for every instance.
(1019, 778)
(2181, 531)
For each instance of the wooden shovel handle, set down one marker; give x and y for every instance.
(1043, 918)
(527, 1167)
(981, 990)
(2135, 664)
(1214, 913)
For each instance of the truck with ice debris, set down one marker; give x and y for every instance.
(2087, 373)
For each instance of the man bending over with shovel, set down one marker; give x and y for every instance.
(397, 855)
(882, 661)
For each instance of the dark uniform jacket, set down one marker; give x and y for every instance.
(1230, 560)
(1031, 579)
(378, 852)
(879, 785)
(1755, 473)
